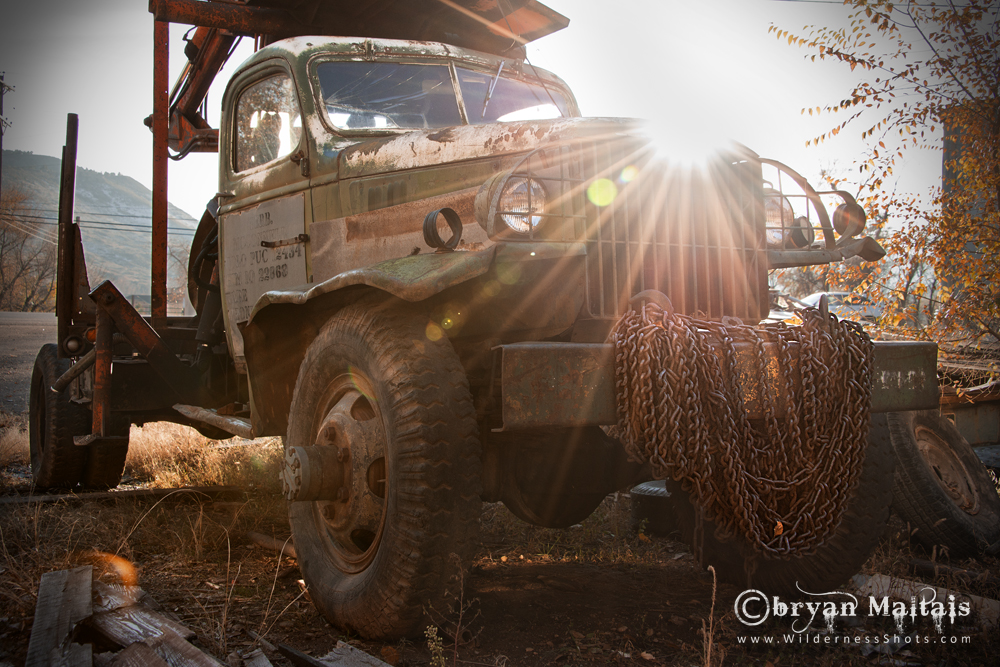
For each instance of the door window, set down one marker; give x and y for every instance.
(268, 123)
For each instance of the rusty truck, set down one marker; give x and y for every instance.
(410, 272)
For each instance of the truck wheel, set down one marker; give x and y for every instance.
(654, 508)
(941, 487)
(380, 555)
(832, 564)
(52, 422)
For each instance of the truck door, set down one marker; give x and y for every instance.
(263, 214)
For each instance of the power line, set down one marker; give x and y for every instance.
(38, 234)
(110, 215)
(109, 226)
(103, 222)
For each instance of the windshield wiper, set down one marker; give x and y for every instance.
(489, 91)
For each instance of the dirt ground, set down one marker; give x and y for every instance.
(599, 593)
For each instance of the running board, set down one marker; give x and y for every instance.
(227, 423)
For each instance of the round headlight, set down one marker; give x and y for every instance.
(780, 217)
(521, 204)
(784, 230)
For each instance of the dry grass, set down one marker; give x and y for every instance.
(191, 551)
(13, 439)
(168, 455)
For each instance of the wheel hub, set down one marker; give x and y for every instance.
(355, 517)
(949, 471)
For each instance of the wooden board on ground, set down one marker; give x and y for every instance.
(178, 652)
(64, 599)
(256, 658)
(127, 625)
(74, 655)
(138, 655)
(343, 655)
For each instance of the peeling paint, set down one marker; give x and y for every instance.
(424, 148)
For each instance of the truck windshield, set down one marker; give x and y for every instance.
(369, 96)
(510, 99)
(378, 96)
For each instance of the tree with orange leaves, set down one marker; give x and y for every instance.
(925, 69)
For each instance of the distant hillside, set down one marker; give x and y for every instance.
(115, 214)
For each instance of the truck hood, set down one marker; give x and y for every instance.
(423, 148)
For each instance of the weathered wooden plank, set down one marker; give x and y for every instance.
(178, 652)
(63, 601)
(345, 655)
(256, 658)
(138, 655)
(75, 655)
(128, 625)
(108, 597)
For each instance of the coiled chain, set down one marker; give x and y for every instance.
(781, 484)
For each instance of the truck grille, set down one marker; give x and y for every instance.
(694, 234)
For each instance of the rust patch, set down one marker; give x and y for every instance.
(444, 136)
(409, 217)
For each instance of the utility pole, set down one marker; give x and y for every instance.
(3, 122)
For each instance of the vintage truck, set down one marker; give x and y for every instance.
(417, 369)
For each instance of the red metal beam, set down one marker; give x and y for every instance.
(213, 49)
(238, 19)
(181, 378)
(158, 277)
(102, 373)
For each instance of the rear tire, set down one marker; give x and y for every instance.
(53, 421)
(382, 554)
(837, 560)
(941, 488)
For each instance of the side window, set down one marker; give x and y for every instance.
(268, 125)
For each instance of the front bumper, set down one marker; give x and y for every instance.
(545, 385)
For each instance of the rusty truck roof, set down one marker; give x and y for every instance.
(501, 28)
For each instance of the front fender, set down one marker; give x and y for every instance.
(413, 278)
(285, 322)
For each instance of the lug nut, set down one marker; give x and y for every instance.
(343, 454)
(329, 512)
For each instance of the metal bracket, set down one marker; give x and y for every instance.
(295, 240)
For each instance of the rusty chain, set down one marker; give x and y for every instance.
(781, 484)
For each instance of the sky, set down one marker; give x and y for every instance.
(701, 70)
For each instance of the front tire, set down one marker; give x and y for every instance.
(941, 488)
(837, 560)
(379, 556)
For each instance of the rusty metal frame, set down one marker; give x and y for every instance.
(65, 273)
(573, 384)
(180, 377)
(158, 259)
(115, 313)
